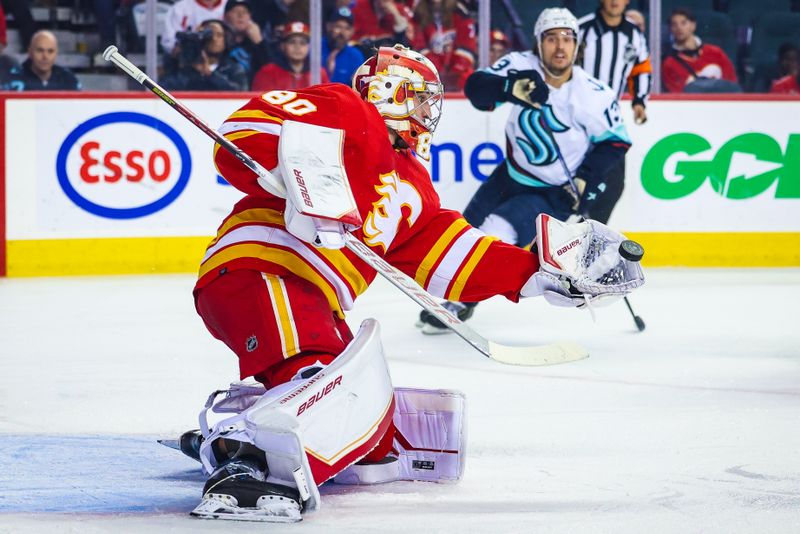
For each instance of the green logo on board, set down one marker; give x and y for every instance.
(744, 167)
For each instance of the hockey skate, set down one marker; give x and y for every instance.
(238, 491)
(190, 441)
(431, 325)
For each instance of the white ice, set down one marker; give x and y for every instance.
(691, 426)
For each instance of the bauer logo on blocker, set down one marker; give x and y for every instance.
(123, 165)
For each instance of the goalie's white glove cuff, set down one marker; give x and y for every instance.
(556, 292)
(321, 233)
(551, 288)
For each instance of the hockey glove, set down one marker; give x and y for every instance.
(575, 196)
(525, 88)
(580, 264)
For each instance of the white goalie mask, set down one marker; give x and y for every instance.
(405, 88)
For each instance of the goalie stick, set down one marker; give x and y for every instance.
(535, 355)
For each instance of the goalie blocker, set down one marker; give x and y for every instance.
(311, 430)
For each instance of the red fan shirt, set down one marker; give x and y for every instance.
(450, 49)
(708, 61)
(788, 85)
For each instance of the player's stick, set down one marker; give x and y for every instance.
(636, 319)
(531, 355)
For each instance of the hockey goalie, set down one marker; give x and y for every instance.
(276, 281)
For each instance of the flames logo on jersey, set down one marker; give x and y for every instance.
(539, 145)
(380, 227)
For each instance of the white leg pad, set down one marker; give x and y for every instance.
(329, 419)
(430, 440)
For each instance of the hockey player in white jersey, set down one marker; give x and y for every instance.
(563, 134)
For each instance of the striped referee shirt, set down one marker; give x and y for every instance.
(613, 54)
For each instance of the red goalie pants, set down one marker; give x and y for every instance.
(277, 326)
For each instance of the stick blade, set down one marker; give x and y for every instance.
(538, 355)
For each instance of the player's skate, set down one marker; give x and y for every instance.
(431, 325)
(239, 491)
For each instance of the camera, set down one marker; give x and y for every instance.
(192, 45)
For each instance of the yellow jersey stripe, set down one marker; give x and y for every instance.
(285, 258)
(436, 251)
(233, 136)
(283, 315)
(258, 215)
(253, 114)
(466, 271)
(336, 258)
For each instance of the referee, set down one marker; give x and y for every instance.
(615, 52)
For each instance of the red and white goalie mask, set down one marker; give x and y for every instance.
(405, 88)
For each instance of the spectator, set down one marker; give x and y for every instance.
(637, 18)
(7, 63)
(205, 63)
(23, 19)
(250, 48)
(694, 66)
(499, 46)
(446, 35)
(186, 15)
(292, 70)
(340, 59)
(39, 72)
(381, 23)
(788, 68)
(789, 83)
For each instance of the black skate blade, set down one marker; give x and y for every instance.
(171, 443)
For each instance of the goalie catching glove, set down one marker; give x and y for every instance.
(580, 264)
(526, 88)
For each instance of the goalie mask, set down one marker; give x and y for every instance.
(405, 88)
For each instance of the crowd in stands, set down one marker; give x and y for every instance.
(239, 45)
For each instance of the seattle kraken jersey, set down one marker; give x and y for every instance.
(580, 113)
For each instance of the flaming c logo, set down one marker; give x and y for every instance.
(380, 227)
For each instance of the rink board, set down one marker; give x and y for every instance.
(120, 183)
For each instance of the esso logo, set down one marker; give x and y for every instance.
(123, 165)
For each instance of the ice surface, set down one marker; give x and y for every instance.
(691, 426)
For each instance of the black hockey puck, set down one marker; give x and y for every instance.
(631, 250)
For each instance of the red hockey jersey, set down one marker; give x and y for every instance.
(403, 220)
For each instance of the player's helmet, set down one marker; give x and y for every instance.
(405, 88)
(555, 17)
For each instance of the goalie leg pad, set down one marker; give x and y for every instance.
(312, 429)
(429, 443)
